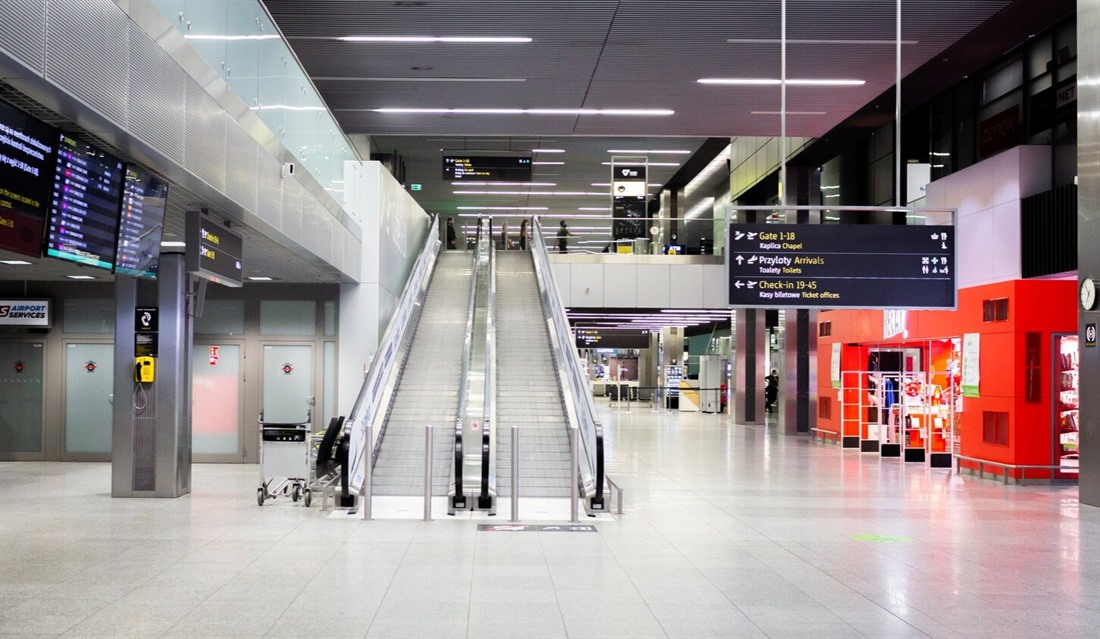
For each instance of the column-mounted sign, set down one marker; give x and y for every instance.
(34, 313)
(841, 266)
(213, 251)
(146, 338)
(628, 198)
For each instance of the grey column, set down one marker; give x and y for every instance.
(1088, 237)
(798, 388)
(151, 436)
(749, 366)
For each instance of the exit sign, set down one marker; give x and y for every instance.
(417, 187)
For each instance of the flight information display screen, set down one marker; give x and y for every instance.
(486, 168)
(593, 337)
(141, 223)
(84, 204)
(26, 171)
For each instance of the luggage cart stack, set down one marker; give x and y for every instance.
(284, 460)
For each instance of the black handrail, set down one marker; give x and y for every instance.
(484, 500)
(459, 499)
(597, 499)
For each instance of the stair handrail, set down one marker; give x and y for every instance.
(390, 356)
(580, 408)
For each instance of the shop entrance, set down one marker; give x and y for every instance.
(21, 375)
(1065, 394)
(89, 388)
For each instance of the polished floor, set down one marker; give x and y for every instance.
(729, 531)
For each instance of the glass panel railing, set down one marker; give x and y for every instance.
(579, 407)
(241, 42)
(382, 376)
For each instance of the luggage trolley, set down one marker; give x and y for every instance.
(284, 456)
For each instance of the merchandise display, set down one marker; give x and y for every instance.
(1066, 419)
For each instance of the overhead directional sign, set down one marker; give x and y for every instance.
(594, 337)
(842, 266)
(460, 167)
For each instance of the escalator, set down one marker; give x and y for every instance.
(528, 390)
(428, 387)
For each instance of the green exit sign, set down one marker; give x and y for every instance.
(417, 187)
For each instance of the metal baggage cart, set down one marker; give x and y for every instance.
(284, 460)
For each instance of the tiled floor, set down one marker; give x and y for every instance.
(730, 531)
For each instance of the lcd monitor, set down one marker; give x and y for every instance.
(84, 204)
(26, 171)
(141, 223)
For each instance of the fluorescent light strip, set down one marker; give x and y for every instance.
(171, 244)
(80, 277)
(438, 39)
(547, 150)
(666, 152)
(608, 184)
(464, 183)
(776, 82)
(805, 41)
(502, 208)
(788, 112)
(270, 36)
(635, 112)
(594, 208)
(544, 163)
(651, 164)
(331, 78)
(285, 107)
(15, 262)
(549, 193)
(259, 278)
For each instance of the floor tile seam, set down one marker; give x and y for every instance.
(389, 584)
(554, 585)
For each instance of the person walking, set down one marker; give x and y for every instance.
(771, 391)
(452, 236)
(504, 237)
(523, 234)
(563, 237)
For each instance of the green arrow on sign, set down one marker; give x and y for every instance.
(884, 539)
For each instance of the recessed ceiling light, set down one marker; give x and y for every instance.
(15, 262)
(465, 183)
(259, 278)
(547, 150)
(172, 244)
(652, 164)
(790, 41)
(666, 151)
(432, 111)
(332, 78)
(542, 163)
(594, 208)
(776, 82)
(502, 208)
(534, 193)
(440, 39)
(80, 277)
(608, 184)
(788, 112)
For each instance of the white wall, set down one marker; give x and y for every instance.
(987, 196)
(394, 229)
(620, 281)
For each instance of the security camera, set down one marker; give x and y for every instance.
(288, 169)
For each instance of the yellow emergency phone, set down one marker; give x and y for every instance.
(145, 369)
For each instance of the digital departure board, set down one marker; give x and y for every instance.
(593, 337)
(486, 168)
(141, 223)
(26, 172)
(213, 251)
(84, 204)
(842, 266)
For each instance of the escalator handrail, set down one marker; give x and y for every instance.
(484, 239)
(392, 349)
(488, 406)
(580, 408)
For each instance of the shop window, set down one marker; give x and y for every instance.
(825, 408)
(824, 329)
(1032, 368)
(995, 310)
(995, 427)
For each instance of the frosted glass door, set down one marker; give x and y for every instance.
(216, 399)
(288, 383)
(20, 397)
(89, 381)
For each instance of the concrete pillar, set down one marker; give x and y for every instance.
(798, 385)
(1088, 237)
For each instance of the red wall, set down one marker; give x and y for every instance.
(1043, 306)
